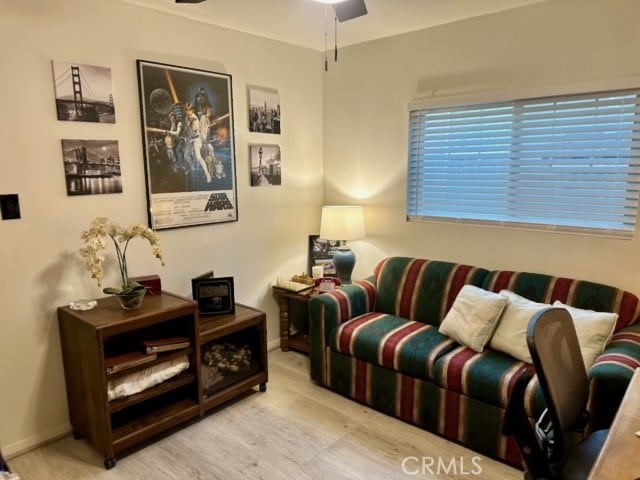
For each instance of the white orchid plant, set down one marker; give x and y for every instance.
(95, 239)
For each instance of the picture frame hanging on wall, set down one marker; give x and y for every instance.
(264, 110)
(91, 167)
(84, 93)
(266, 165)
(188, 140)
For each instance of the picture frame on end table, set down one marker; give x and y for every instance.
(188, 139)
(321, 253)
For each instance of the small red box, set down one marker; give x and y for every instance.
(152, 282)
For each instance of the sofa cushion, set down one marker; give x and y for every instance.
(581, 294)
(396, 343)
(473, 317)
(422, 290)
(594, 330)
(511, 335)
(489, 376)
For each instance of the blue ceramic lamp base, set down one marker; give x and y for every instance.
(344, 260)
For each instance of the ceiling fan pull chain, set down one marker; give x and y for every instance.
(335, 37)
(326, 46)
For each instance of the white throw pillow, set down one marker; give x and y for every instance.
(594, 330)
(511, 335)
(473, 317)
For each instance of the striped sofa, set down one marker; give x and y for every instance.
(377, 342)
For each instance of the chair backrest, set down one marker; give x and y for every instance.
(555, 351)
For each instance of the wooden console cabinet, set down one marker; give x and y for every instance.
(89, 337)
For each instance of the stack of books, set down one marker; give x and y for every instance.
(165, 344)
(149, 353)
(128, 360)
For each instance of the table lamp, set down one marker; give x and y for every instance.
(342, 223)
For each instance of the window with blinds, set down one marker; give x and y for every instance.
(569, 163)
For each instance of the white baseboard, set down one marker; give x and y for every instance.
(273, 344)
(35, 441)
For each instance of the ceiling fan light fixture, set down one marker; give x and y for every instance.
(330, 2)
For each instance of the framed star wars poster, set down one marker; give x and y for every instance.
(188, 140)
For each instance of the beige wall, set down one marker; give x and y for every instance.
(40, 268)
(547, 45)
(364, 128)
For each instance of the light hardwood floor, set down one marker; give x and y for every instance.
(294, 430)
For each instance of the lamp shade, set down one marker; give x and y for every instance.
(342, 222)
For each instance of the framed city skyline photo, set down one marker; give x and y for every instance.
(188, 139)
(321, 253)
(266, 165)
(84, 93)
(91, 167)
(264, 110)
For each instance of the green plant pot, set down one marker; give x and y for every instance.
(131, 300)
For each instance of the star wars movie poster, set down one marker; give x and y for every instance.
(187, 122)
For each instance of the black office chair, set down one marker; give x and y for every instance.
(556, 447)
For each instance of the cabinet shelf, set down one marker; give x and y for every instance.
(231, 391)
(230, 380)
(162, 357)
(155, 421)
(300, 342)
(164, 387)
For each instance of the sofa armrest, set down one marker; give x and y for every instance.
(330, 309)
(610, 375)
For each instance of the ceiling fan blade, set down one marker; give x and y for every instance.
(350, 9)
(189, 1)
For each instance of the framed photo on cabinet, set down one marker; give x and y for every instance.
(188, 139)
(215, 296)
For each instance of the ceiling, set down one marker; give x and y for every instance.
(302, 22)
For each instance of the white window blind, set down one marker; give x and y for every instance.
(568, 162)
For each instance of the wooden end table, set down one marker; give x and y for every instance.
(294, 312)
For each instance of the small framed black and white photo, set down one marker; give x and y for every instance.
(264, 110)
(84, 93)
(91, 166)
(266, 165)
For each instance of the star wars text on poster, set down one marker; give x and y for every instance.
(218, 201)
